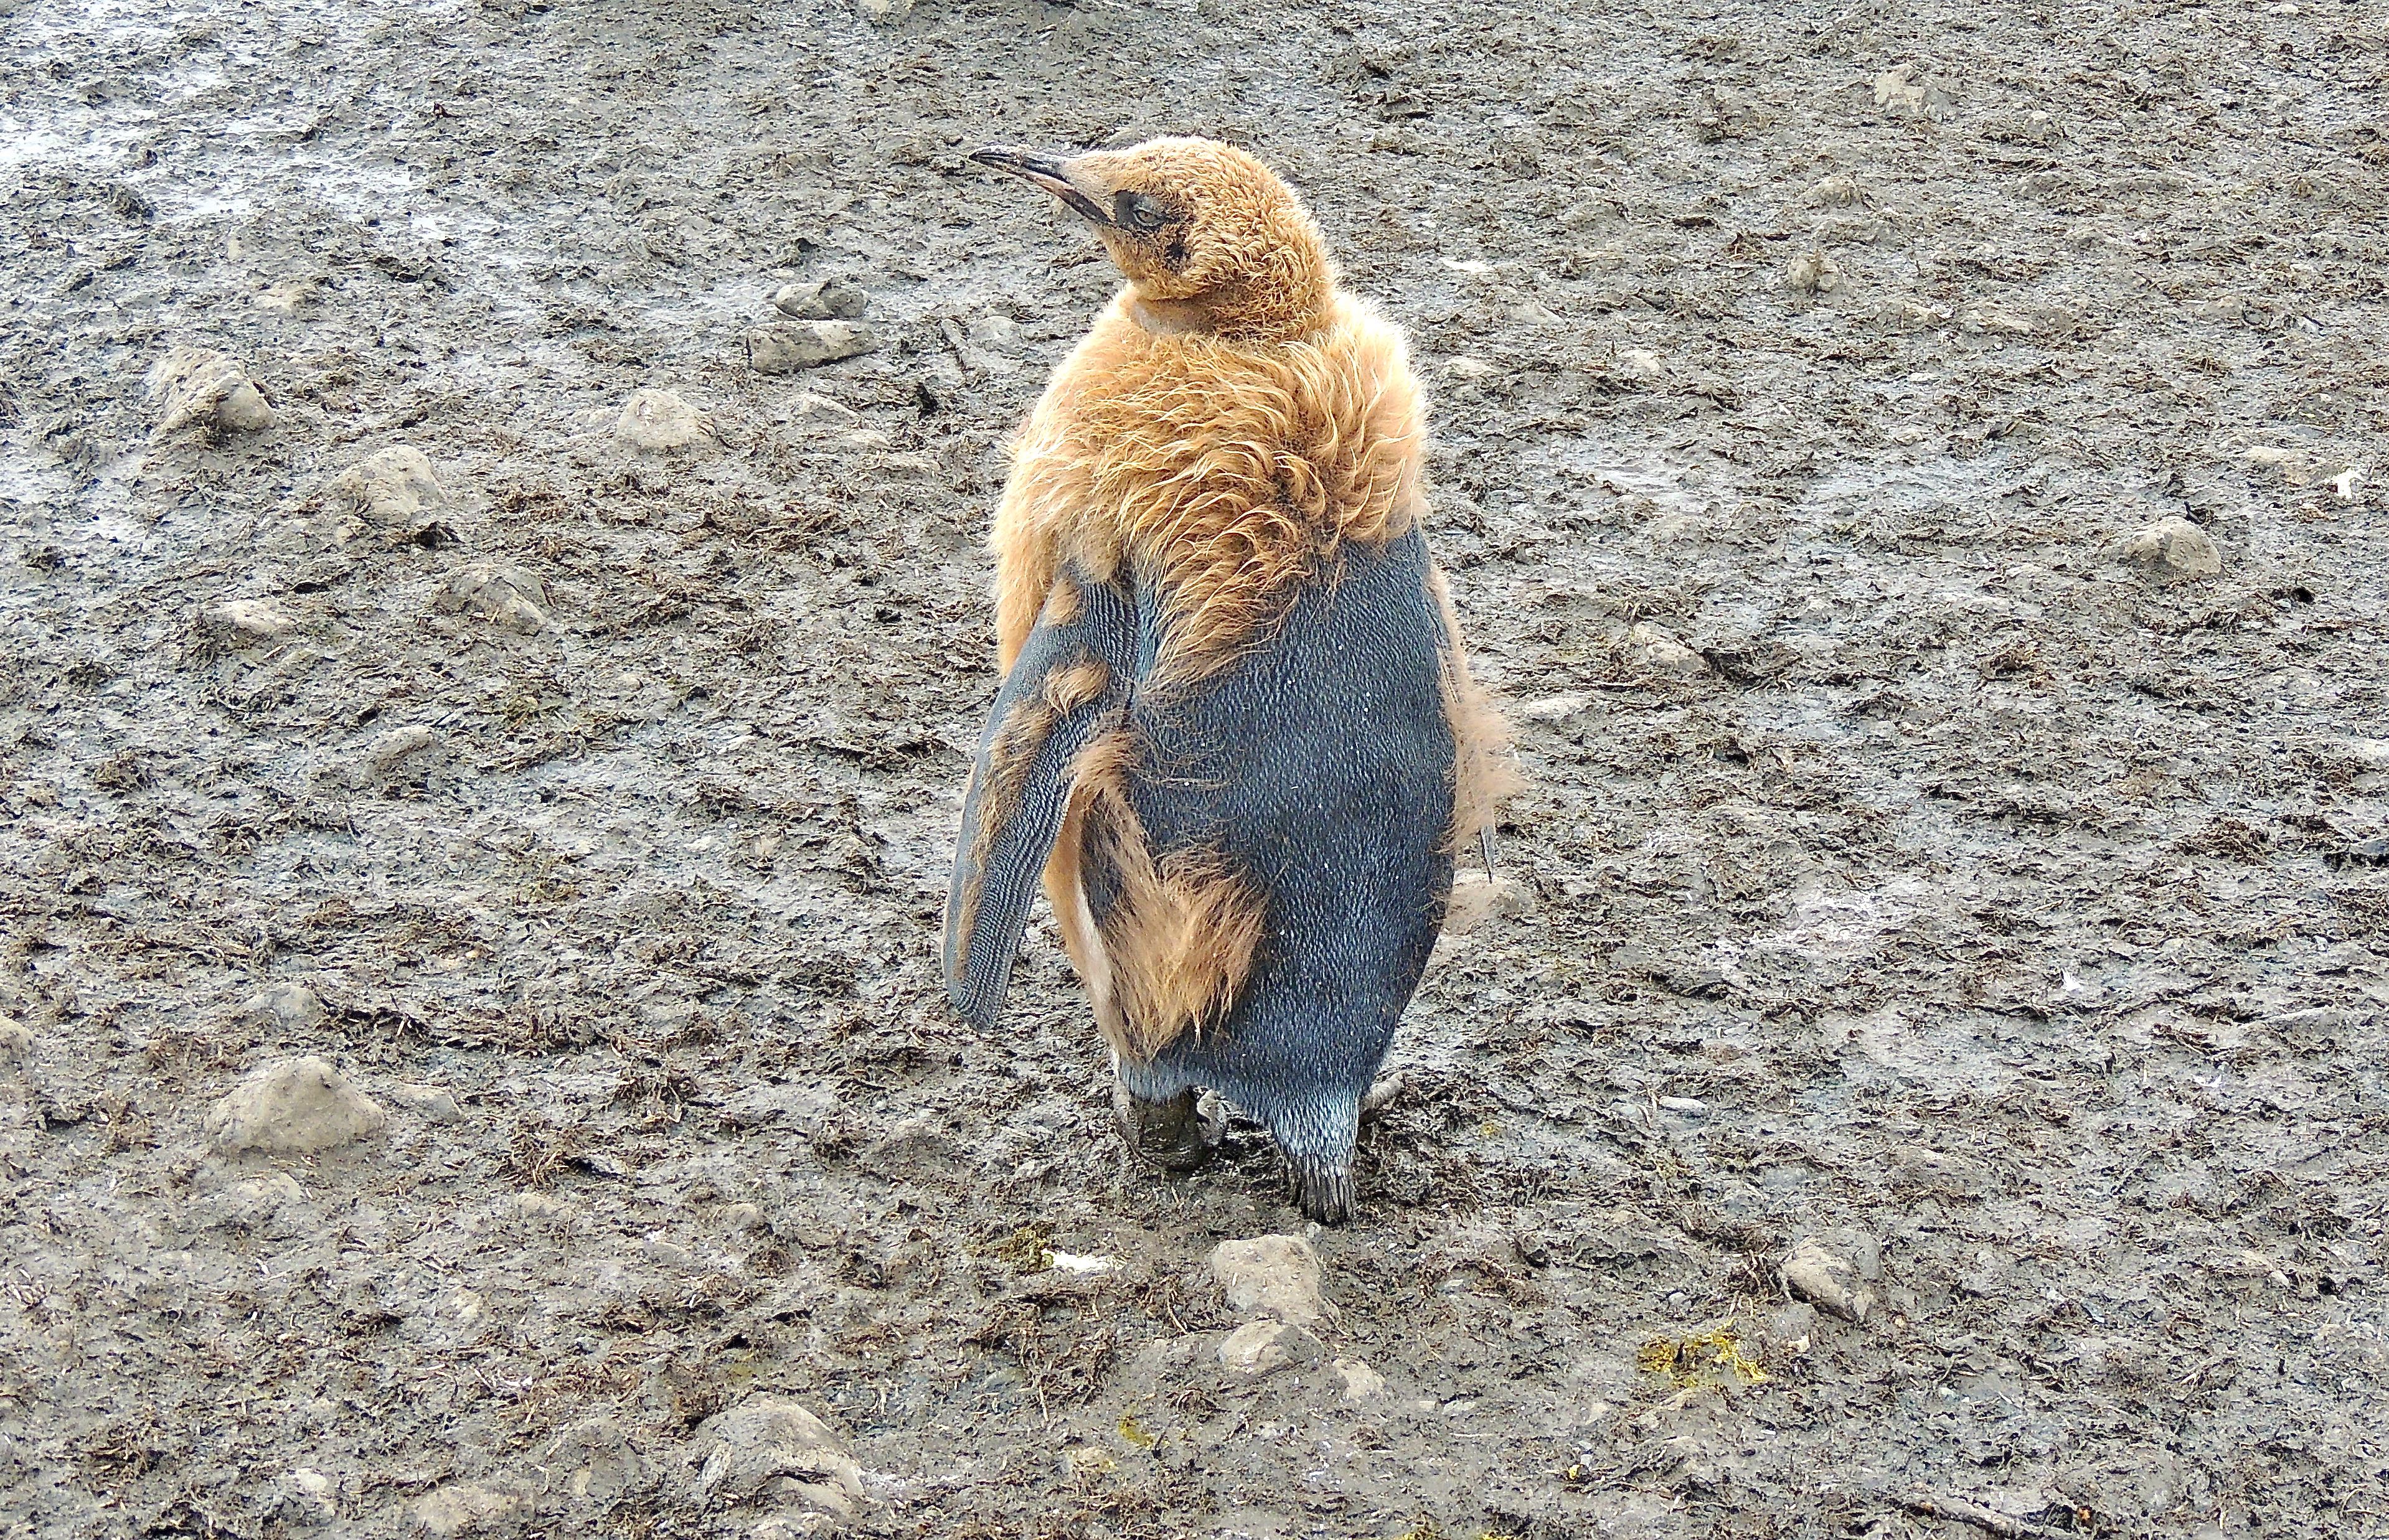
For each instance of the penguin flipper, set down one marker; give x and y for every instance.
(1070, 679)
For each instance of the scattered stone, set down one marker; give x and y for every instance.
(1812, 272)
(2174, 549)
(285, 1003)
(655, 420)
(999, 335)
(1476, 898)
(286, 296)
(739, 1218)
(391, 486)
(1641, 365)
(15, 1038)
(883, 12)
(244, 622)
(1265, 1346)
(310, 1496)
(2344, 486)
(1991, 320)
(502, 594)
(428, 1102)
(771, 1445)
(812, 407)
(1556, 708)
(388, 749)
(1838, 1280)
(295, 1106)
(1360, 1383)
(1915, 1169)
(783, 347)
(1655, 650)
(593, 1462)
(1470, 368)
(1272, 1275)
(200, 388)
(823, 299)
(464, 1508)
(1839, 191)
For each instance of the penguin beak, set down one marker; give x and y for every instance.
(1045, 172)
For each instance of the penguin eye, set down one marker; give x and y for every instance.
(1138, 212)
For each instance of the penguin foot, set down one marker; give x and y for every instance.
(1170, 1134)
(1383, 1094)
(1322, 1190)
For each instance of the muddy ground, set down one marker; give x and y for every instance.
(1926, 885)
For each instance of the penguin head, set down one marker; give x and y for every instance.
(1208, 236)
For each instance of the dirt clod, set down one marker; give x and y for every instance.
(393, 486)
(292, 1106)
(1839, 1277)
(655, 419)
(823, 299)
(2174, 549)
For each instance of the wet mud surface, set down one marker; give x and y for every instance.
(1922, 909)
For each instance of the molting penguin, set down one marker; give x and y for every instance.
(1236, 731)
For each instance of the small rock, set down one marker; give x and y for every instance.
(1273, 1276)
(310, 1496)
(462, 1508)
(243, 622)
(2344, 486)
(1655, 650)
(2174, 549)
(1641, 365)
(783, 347)
(823, 300)
(292, 1106)
(1556, 708)
(1812, 272)
(1835, 1281)
(883, 12)
(15, 1038)
(1476, 898)
(200, 388)
(388, 749)
(739, 1218)
(1470, 368)
(1265, 1346)
(766, 1438)
(656, 420)
(812, 407)
(391, 486)
(428, 1102)
(1838, 191)
(1915, 1169)
(1360, 1383)
(1991, 320)
(285, 1003)
(502, 594)
(285, 297)
(594, 1461)
(999, 335)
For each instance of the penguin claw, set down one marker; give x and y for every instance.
(1383, 1094)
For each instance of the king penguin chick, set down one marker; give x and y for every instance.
(1236, 730)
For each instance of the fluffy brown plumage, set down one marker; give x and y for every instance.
(1232, 421)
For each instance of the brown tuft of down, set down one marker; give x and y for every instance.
(1223, 473)
(1174, 953)
(1483, 772)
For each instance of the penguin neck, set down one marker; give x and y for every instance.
(1244, 314)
